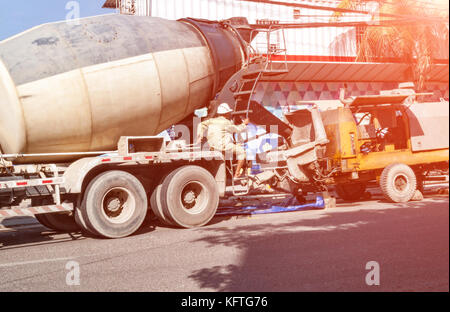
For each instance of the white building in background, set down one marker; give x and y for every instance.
(325, 42)
(321, 60)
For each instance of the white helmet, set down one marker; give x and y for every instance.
(224, 108)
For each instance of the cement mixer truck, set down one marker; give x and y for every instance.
(81, 105)
(68, 92)
(72, 92)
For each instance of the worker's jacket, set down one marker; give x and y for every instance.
(220, 132)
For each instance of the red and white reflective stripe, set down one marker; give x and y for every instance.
(30, 211)
(127, 158)
(162, 156)
(31, 182)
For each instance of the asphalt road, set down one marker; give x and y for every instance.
(314, 250)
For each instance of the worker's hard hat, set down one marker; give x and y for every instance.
(224, 108)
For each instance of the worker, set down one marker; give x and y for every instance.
(220, 135)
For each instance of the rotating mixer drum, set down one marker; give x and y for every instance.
(79, 87)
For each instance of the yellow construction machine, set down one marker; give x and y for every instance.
(389, 139)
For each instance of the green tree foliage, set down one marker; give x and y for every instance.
(419, 36)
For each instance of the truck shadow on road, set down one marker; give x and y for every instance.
(329, 252)
(36, 235)
(39, 235)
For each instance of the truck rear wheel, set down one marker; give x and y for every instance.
(189, 196)
(398, 183)
(43, 220)
(81, 223)
(60, 222)
(114, 204)
(351, 191)
(156, 205)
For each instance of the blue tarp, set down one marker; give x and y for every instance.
(268, 208)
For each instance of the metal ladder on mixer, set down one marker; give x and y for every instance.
(260, 64)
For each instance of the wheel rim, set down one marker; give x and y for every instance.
(401, 183)
(118, 205)
(193, 197)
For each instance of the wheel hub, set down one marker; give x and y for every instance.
(118, 205)
(113, 204)
(193, 196)
(189, 197)
(400, 183)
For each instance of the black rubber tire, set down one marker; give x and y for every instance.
(156, 205)
(43, 220)
(351, 191)
(60, 222)
(93, 210)
(389, 186)
(41, 217)
(203, 185)
(80, 221)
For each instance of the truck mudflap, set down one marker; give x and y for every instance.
(31, 211)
